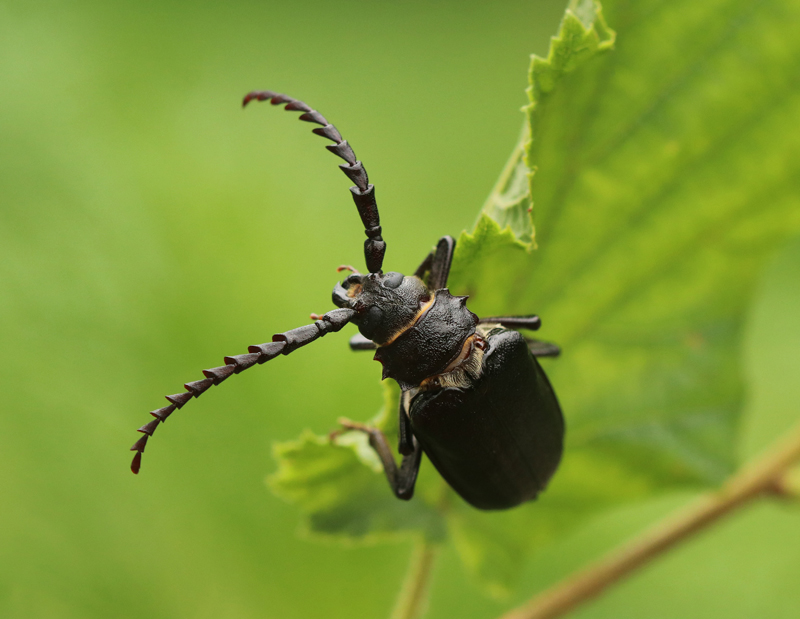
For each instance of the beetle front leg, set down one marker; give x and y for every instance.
(401, 479)
(359, 342)
(437, 263)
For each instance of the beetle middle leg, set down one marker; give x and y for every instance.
(531, 322)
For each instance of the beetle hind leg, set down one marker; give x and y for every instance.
(539, 348)
(401, 478)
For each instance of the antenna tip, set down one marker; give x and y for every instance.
(137, 463)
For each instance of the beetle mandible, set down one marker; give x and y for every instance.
(473, 397)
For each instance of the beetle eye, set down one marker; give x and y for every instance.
(371, 321)
(392, 279)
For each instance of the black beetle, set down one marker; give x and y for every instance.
(474, 398)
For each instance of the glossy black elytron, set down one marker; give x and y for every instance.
(474, 399)
(498, 441)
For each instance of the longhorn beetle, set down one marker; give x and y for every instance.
(473, 397)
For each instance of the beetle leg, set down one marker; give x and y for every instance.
(401, 479)
(437, 263)
(531, 322)
(425, 267)
(405, 438)
(442, 259)
(539, 348)
(359, 342)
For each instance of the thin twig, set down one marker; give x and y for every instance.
(759, 478)
(413, 599)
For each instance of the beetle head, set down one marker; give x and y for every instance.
(385, 303)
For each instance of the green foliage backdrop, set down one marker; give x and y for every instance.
(148, 227)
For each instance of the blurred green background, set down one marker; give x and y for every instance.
(148, 227)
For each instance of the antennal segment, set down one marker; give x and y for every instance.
(282, 343)
(363, 192)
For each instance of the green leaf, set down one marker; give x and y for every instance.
(661, 170)
(663, 180)
(771, 342)
(583, 34)
(661, 188)
(509, 205)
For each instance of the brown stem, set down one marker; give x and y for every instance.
(413, 599)
(756, 479)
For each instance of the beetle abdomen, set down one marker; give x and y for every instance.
(498, 442)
